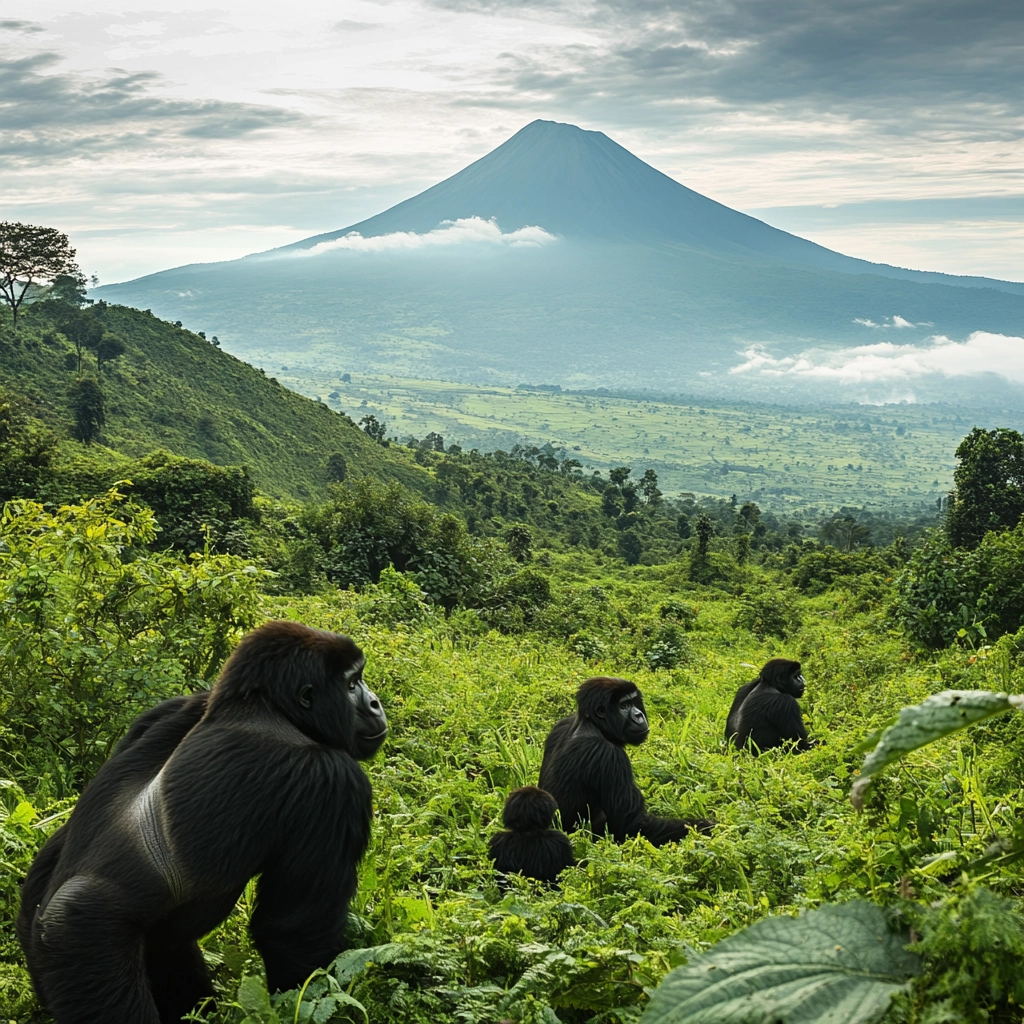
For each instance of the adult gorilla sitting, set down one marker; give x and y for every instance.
(587, 770)
(259, 777)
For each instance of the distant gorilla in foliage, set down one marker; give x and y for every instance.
(531, 846)
(765, 712)
(586, 768)
(258, 777)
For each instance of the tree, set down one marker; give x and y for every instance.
(337, 467)
(110, 347)
(519, 542)
(88, 408)
(630, 547)
(70, 288)
(375, 429)
(704, 529)
(82, 329)
(988, 486)
(649, 488)
(31, 255)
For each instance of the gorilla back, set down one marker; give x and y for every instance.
(258, 777)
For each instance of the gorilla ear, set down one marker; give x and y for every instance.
(306, 696)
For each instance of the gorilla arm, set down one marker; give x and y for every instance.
(732, 721)
(303, 892)
(185, 712)
(623, 804)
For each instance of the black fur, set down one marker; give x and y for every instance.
(765, 712)
(257, 777)
(530, 846)
(587, 770)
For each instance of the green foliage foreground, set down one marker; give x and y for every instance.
(96, 625)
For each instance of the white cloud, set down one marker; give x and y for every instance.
(465, 230)
(892, 321)
(888, 362)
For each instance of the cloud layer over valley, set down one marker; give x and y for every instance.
(888, 362)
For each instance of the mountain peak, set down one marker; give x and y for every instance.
(577, 183)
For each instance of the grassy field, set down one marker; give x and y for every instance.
(784, 458)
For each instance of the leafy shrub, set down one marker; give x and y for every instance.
(767, 613)
(395, 599)
(669, 648)
(680, 612)
(816, 571)
(973, 946)
(948, 593)
(196, 503)
(92, 630)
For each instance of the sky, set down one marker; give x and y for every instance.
(158, 133)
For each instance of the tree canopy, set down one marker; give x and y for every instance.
(988, 486)
(31, 255)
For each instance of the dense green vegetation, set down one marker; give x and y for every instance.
(483, 595)
(173, 389)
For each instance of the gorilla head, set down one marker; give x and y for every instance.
(529, 809)
(312, 678)
(785, 676)
(616, 707)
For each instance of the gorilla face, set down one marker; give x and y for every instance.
(371, 722)
(625, 719)
(797, 685)
(334, 704)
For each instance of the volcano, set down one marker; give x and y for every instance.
(561, 256)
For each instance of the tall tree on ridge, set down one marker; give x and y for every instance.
(31, 255)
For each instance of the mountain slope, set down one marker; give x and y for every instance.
(172, 389)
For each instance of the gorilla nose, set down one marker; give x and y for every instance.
(375, 704)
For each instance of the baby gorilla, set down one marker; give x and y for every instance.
(530, 846)
(765, 713)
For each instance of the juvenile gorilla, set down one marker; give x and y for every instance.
(765, 712)
(258, 777)
(587, 770)
(531, 846)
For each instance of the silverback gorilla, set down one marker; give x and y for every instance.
(257, 777)
(530, 845)
(764, 711)
(587, 770)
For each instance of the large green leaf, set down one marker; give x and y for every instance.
(941, 714)
(836, 965)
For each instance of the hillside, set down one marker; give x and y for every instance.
(172, 389)
(597, 270)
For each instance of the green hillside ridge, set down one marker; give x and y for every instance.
(173, 389)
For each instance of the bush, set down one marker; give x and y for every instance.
(669, 648)
(196, 503)
(947, 594)
(93, 630)
(767, 613)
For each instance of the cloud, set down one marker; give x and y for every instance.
(464, 231)
(48, 112)
(15, 25)
(887, 362)
(896, 321)
(749, 51)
